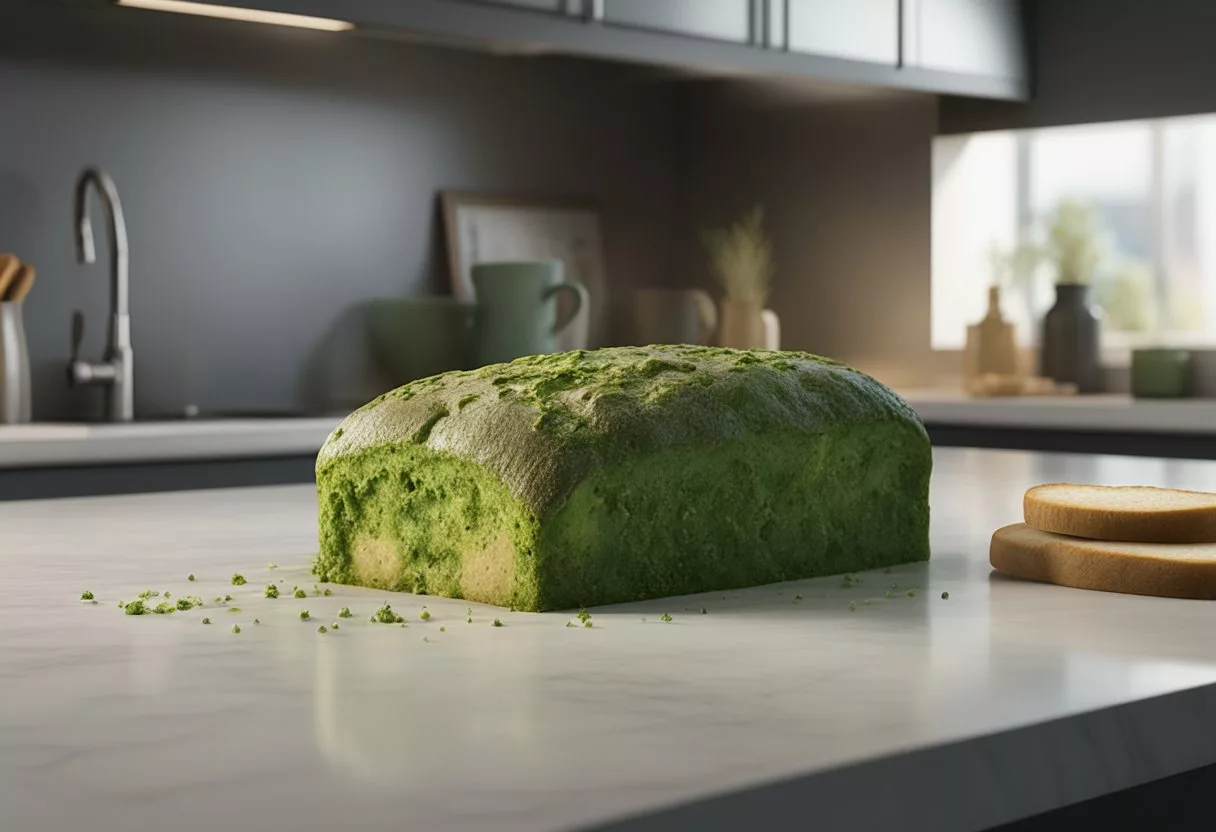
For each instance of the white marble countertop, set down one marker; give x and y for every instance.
(911, 713)
(1089, 413)
(50, 444)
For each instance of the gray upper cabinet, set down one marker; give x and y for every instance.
(956, 47)
(972, 37)
(729, 20)
(556, 6)
(862, 30)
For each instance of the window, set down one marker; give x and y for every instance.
(1144, 193)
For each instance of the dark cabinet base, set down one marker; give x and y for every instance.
(1170, 445)
(89, 481)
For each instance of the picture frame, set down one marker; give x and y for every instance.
(484, 227)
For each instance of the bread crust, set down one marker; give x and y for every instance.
(1046, 511)
(1135, 568)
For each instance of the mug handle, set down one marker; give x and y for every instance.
(578, 294)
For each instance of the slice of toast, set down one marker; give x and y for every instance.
(1169, 570)
(1136, 514)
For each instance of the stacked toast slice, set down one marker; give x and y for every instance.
(1140, 540)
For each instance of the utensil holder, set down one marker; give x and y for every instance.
(15, 399)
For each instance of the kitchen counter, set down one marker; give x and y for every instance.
(1118, 413)
(914, 713)
(39, 445)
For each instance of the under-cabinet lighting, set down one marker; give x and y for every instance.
(236, 13)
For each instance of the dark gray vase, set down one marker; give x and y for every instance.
(1069, 351)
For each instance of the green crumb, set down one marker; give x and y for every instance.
(425, 615)
(496, 623)
(402, 626)
(798, 597)
(704, 611)
(945, 596)
(272, 566)
(569, 623)
(238, 579)
(135, 607)
(327, 591)
(185, 603)
(912, 593)
(206, 620)
(665, 618)
(345, 612)
(333, 625)
(587, 624)
(424, 638)
(236, 628)
(191, 578)
(227, 598)
(217, 600)
(271, 591)
(147, 593)
(866, 602)
(386, 615)
(86, 596)
(234, 609)
(852, 606)
(468, 621)
(894, 585)
(304, 615)
(322, 629)
(443, 629)
(164, 608)
(888, 594)
(167, 596)
(583, 615)
(299, 593)
(257, 621)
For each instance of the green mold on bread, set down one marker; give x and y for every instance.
(592, 477)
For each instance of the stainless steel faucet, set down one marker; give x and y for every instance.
(117, 368)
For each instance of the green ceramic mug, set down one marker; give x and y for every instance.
(419, 336)
(516, 310)
(1160, 373)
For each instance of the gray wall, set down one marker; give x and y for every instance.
(275, 180)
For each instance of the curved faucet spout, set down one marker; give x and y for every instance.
(116, 372)
(86, 251)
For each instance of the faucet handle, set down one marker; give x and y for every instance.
(77, 368)
(77, 333)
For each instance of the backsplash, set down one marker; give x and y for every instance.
(274, 182)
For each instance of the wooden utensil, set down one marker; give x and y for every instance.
(20, 285)
(9, 264)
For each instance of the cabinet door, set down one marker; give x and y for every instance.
(975, 37)
(718, 19)
(864, 30)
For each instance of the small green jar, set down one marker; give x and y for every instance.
(1160, 373)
